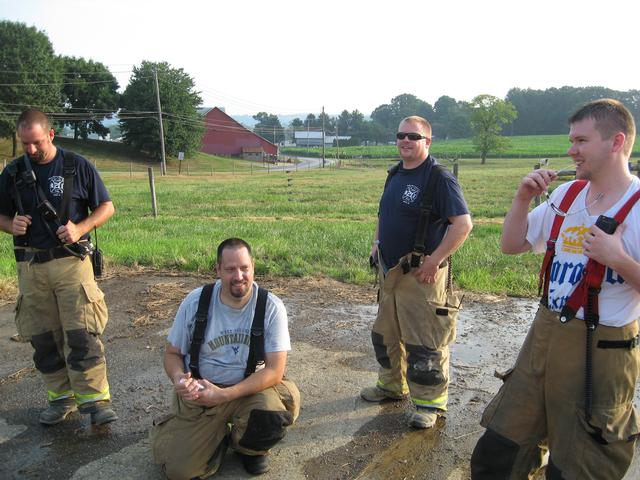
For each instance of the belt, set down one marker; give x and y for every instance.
(42, 256)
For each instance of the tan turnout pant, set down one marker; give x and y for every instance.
(185, 440)
(62, 311)
(542, 402)
(415, 324)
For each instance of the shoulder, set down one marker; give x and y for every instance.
(274, 300)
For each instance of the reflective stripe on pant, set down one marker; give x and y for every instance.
(184, 441)
(411, 336)
(542, 401)
(62, 312)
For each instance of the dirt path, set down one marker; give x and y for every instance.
(338, 436)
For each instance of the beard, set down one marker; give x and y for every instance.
(239, 290)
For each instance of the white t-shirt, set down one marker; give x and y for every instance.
(224, 352)
(618, 302)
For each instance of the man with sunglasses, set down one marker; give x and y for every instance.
(573, 384)
(416, 312)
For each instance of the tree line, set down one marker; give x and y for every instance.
(82, 94)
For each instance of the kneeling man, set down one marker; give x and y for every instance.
(226, 356)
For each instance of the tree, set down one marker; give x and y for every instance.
(90, 94)
(488, 115)
(183, 127)
(296, 123)
(268, 127)
(390, 115)
(30, 72)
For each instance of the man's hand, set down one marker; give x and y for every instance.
(186, 386)
(535, 183)
(427, 271)
(20, 224)
(604, 248)
(211, 395)
(69, 233)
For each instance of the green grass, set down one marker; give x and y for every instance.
(317, 222)
(320, 222)
(531, 146)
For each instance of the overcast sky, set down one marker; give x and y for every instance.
(295, 56)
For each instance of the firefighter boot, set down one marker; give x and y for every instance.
(423, 418)
(101, 412)
(57, 411)
(254, 464)
(377, 395)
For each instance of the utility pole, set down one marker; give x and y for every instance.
(307, 135)
(163, 165)
(337, 146)
(322, 137)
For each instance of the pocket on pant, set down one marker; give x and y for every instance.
(290, 397)
(442, 319)
(159, 437)
(611, 425)
(96, 314)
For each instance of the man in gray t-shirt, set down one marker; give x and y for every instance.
(224, 406)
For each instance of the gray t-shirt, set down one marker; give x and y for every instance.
(224, 352)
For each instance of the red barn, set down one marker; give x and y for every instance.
(224, 136)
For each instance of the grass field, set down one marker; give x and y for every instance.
(532, 146)
(317, 222)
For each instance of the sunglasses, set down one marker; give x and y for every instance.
(412, 136)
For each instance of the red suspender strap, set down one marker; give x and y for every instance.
(569, 197)
(593, 276)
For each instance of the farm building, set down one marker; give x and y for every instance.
(304, 138)
(224, 136)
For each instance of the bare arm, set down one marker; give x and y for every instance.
(457, 233)
(72, 232)
(270, 375)
(514, 229)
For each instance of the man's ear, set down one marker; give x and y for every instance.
(618, 142)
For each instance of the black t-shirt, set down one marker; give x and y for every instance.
(400, 210)
(88, 193)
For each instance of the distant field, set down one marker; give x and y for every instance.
(317, 222)
(533, 146)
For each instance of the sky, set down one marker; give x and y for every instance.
(288, 57)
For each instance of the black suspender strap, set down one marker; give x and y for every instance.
(425, 219)
(69, 174)
(256, 345)
(199, 329)
(256, 342)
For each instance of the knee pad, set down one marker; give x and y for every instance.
(381, 350)
(493, 457)
(423, 366)
(265, 429)
(47, 357)
(86, 351)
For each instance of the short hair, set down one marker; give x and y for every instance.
(611, 117)
(231, 243)
(426, 126)
(33, 116)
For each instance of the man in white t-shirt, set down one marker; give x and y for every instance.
(572, 392)
(248, 407)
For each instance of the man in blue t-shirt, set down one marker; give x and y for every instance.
(417, 312)
(60, 308)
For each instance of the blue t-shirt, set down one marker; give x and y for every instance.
(400, 210)
(88, 193)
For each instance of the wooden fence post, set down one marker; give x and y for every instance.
(152, 186)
